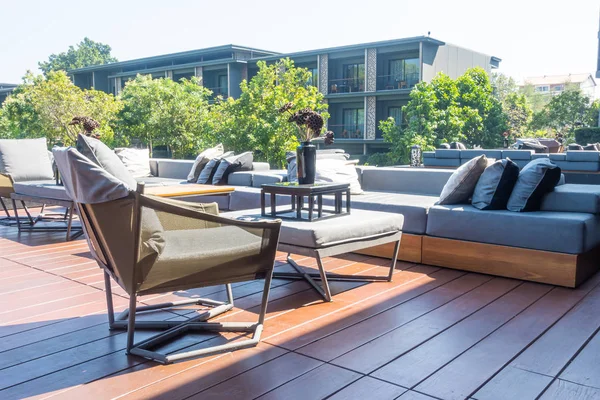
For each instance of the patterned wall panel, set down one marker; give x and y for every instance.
(371, 119)
(323, 73)
(199, 72)
(245, 72)
(371, 75)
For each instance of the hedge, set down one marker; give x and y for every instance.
(584, 136)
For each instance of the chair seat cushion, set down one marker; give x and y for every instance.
(562, 232)
(201, 255)
(47, 189)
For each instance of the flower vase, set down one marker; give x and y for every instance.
(306, 162)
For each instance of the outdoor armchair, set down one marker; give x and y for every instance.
(152, 245)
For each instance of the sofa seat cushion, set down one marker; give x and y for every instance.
(573, 198)
(561, 232)
(413, 207)
(159, 181)
(46, 189)
(240, 178)
(266, 177)
(331, 232)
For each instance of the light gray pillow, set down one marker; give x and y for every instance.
(203, 159)
(103, 156)
(137, 161)
(462, 182)
(26, 159)
(536, 179)
(240, 162)
(209, 170)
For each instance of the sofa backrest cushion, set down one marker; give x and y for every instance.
(137, 161)
(104, 157)
(472, 153)
(173, 169)
(424, 181)
(573, 198)
(25, 159)
(536, 179)
(447, 153)
(517, 154)
(583, 155)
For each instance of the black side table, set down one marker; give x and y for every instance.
(313, 193)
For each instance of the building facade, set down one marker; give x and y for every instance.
(5, 90)
(555, 84)
(362, 84)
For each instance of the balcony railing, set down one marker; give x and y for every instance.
(395, 82)
(219, 91)
(346, 85)
(347, 131)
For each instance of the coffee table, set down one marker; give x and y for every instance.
(330, 237)
(313, 192)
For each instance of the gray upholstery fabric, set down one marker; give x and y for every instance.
(159, 181)
(413, 207)
(46, 189)
(461, 185)
(583, 155)
(441, 162)
(319, 234)
(84, 181)
(578, 165)
(429, 154)
(103, 156)
(25, 159)
(535, 180)
(561, 232)
(447, 153)
(260, 166)
(406, 180)
(240, 178)
(272, 176)
(573, 198)
(517, 154)
(540, 155)
(203, 158)
(521, 163)
(154, 166)
(174, 169)
(558, 156)
(472, 153)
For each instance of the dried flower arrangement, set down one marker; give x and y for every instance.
(309, 123)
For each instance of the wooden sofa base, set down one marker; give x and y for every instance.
(561, 269)
(410, 249)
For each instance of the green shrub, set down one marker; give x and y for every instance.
(380, 160)
(584, 136)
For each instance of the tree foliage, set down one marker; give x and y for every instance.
(85, 54)
(518, 114)
(164, 112)
(44, 106)
(252, 121)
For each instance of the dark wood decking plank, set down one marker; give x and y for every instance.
(416, 365)
(464, 375)
(369, 388)
(585, 368)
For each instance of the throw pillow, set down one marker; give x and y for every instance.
(495, 185)
(536, 179)
(444, 146)
(137, 161)
(203, 159)
(591, 147)
(575, 146)
(101, 155)
(462, 182)
(241, 162)
(338, 171)
(209, 170)
(25, 159)
(457, 146)
(292, 168)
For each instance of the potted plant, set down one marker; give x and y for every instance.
(309, 125)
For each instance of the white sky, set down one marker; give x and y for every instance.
(531, 37)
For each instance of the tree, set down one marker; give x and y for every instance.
(503, 86)
(44, 106)
(252, 121)
(164, 112)
(85, 54)
(565, 112)
(518, 114)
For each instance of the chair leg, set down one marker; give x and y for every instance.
(131, 322)
(394, 259)
(16, 215)
(324, 281)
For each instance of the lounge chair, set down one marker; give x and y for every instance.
(152, 245)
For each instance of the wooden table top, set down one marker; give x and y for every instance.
(191, 189)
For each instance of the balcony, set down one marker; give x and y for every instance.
(346, 85)
(219, 91)
(344, 131)
(397, 82)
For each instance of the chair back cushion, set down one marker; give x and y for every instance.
(104, 157)
(137, 161)
(25, 159)
(84, 181)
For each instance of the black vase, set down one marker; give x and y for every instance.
(306, 162)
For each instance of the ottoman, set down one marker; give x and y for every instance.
(330, 237)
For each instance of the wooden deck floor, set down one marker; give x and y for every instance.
(431, 333)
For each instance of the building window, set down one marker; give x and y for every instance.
(542, 89)
(354, 122)
(396, 113)
(558, 88)
(354, 76)
(403, 73)
(314, 77)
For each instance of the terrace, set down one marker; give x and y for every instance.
(431, 333)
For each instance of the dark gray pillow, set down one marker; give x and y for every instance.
(292, 168)
(445, 146)
(457, 146)
(101, 155)
(536, 179)
(25, 159)
(210, 169)
(575, 146)
(203, 159)
(241, 162)
(495, 185)
(460, 186)
(591, 147)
